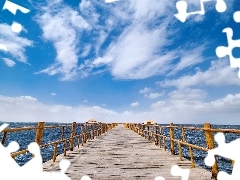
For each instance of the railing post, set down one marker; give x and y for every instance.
(4, 137)
(97, 129)
(39, 133)
(85, 134)
(55, 152)
(92, 127)
(156, 136)
(210, 145)
(72, 135)
(143, 130)
(148, 129)
(183, 135)
(160, 137)
(101, 129)
(172, 137)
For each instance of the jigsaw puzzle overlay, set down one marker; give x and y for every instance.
(33, 169)
(221, 51)
(227, 150)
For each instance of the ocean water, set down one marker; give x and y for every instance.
(197, 137)
(192, 136)
(24, 138)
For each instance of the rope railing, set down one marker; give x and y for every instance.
(87, 132)
(155, 133)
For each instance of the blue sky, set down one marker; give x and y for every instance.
(126, 61)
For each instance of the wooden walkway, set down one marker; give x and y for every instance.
(121, 154)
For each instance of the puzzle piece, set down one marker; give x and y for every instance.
(182, 9)
(5, 157)
(177, 171)
(227, 150)
(35, 164)
(222, 51)
(12, 7)
(236, 16)
(33, 169)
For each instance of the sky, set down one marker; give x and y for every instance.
(125, 61)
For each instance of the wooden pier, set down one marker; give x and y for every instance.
(121, 154)
(122, 151)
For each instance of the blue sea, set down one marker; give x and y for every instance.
(192, 136)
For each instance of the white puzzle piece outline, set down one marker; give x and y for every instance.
(182, 5)
(33, 169)
(12, 7)
(222, 51)
(228, 150)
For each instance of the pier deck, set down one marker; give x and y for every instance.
(121, 154)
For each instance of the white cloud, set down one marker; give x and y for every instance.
(189, 58)
(219, 74)
(158, 104)
(15, 44)
(220, 111)
(134, 54)
(149, 10)
(193, 109)
(53, 94)
(29, 109)
(153, 95)
(137, 50)
(85, 101)
(135, 104)
(145, 90)
(9, 62)
(141, 49)
(86, 50)
(62, 26)
(188, 94)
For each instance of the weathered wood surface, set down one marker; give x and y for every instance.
(123, 154)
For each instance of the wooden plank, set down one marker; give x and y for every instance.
(123, 154)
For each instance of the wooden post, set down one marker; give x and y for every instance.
(4, 137)
(180, 150)
(72, 135)
(183, 135)
(164, 141)
(160, 138)
(39, 133)
(210, 145)
(97, 126)
(191, 157)
(156, 136)
(101, 128)
(65, 148)
(172, 137)
(85, 134)
(78, 141)
(148, 129)
(82, 138)
(55, 152)
(143, 130)
(92, 127)
(139, 127)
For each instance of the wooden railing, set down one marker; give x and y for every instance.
(155, 133)
(87, 132)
